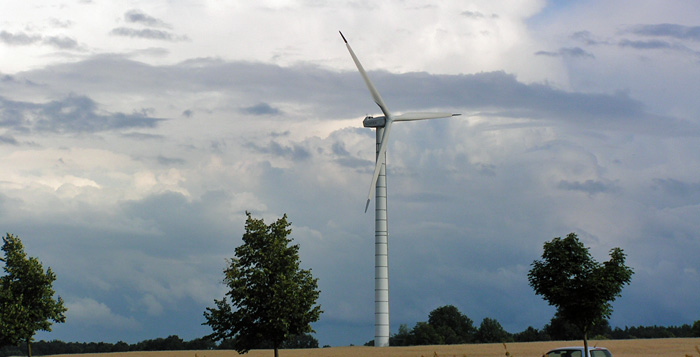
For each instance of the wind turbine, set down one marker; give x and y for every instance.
(378, 184)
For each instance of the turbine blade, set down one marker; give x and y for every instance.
(422, 115)
(375, 95)
(380, 161)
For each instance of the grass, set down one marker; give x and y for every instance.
(676, 347)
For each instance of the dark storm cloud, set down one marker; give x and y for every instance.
(345, 159)
(590, 187)
(71, 114)
(501, 94)
(170, 161)
(295, 152)
(149, 34)
(587, 38)
(61, 42)
(341, 94)
(547, 53)
(8, 140)
(675, 31)
(139, 17)
(58, 23)
(573, 52)
(354, 162)
(338, 148)
(143, 136)
(649, 44)
(280, 134)
(477, 15)
(24, 39)
(18, 39)
(472, 14)
(678, 188)
(261, 109)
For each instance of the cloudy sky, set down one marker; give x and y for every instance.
(135, 134)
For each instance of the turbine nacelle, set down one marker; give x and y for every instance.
(374, 122)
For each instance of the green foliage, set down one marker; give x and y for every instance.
(453, 326)
(446, 325)
(425, 334)
(654, 331)
(26, 296)
(402, 338)
(170, 343)
(491, 331)
(560, 329)
(581, 288)
(530, 334)
(305, 340)
(271, 298)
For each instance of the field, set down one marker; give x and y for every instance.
(677, 347)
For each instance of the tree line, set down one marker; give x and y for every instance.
(170, 343)
(447, 325)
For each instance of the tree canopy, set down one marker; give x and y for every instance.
(581, 288)
(446, 325)
(271, 297)
(26, 296)
(453, 326)
(491, 331)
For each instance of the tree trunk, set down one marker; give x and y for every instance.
(277, 346)
(29, 347)
(585, 344)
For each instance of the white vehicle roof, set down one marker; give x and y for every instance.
(592, 351)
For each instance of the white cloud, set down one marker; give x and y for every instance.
(89, 312)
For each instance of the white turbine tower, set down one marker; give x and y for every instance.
(381, 228)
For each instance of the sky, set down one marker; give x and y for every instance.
(134, 136)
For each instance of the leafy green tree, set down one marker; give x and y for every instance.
(271, 297)
(26, 296)
(530, 334)
(305, 340)
(491, 331)
(696, 329)
(560, 329)
(424, 334)
(402, 338)
(581, 288)
(453, 326)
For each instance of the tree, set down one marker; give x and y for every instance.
(491, 331)
(580, 288)
(560, 329)
(453, 326)
(26, 296)
(300, 341)
(271, 297)
(424, 334)
(402, 338)
(530, 334)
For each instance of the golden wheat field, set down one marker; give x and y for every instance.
(677, 347)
